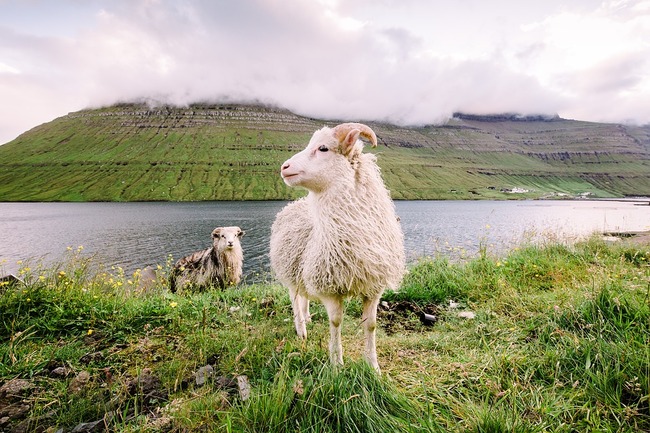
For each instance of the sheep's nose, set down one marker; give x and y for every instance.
(285, 166)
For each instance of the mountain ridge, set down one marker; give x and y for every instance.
(133, 152)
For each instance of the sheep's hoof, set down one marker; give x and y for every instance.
(301, 330)
(374, 364)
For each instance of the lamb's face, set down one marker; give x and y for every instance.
(309, 168)
(330, 158)
(226, 238)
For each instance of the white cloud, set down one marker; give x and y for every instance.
(405, 61)
(8, 69)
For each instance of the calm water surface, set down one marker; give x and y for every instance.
(133, 235)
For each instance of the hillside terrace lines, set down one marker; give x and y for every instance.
(241, 128)
(215, 116)
(579, 136)
(463, 134)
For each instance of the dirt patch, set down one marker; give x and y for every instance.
(406, 316)
(640, 239)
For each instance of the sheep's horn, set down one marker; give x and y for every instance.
(341, 131)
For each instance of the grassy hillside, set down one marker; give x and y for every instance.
(559, 342)
(233, 152)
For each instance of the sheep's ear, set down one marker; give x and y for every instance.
(241, 233)
(216, 232)
(348, 134)
(349, 141)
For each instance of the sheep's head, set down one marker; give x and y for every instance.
(226, 238)
(331, 153)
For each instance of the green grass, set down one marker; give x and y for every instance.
(560, 343)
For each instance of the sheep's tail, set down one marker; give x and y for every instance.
(342, 130)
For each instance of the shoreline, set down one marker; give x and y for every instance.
(636, 237)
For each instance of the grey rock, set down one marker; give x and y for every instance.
(203, 374)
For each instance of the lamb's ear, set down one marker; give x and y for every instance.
(216, 232)
(348, 133)
(241, 233)
(349, 141)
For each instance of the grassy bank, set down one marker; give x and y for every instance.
(560, 341)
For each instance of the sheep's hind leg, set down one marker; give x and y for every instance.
(299, 304)
(334, 307)
(369, 320)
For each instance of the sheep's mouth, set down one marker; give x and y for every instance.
(290, 177)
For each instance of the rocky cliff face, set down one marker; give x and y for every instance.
(219, 116)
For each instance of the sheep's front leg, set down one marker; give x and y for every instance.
(300, 306)
(369, 320)
(334, 307)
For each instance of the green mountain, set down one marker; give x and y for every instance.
(131, 152)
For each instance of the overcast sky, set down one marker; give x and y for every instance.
(404, 61)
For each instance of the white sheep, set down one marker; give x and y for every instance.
(220, 265)
(342, 239)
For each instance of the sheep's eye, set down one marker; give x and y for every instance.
(323, 148)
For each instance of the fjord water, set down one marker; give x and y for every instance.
(134, 235)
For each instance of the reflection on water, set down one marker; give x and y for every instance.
(458, 228)
(133, 235)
